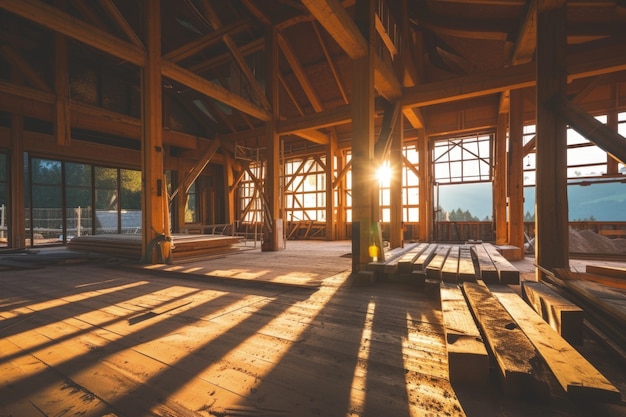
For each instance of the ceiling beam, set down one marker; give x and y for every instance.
(59, 21)
(333, 17)
(590, 128)
(204, 86)
(582, 65)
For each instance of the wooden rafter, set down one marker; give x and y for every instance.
(597, 132)
(196, 170)
(197, 45)
(331, 63)
(300, 74)
(59, 21)
(333, 17)
(24, 68)
(237, 55)
(85, 9)
(213, 90)
(524, 48)
(597, 62)
(112, 10)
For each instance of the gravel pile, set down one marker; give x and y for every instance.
(588, 241)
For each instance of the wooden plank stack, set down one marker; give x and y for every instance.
(581, 380)
(522, 372)
(565, 317)
(186, 246)
(468, 361)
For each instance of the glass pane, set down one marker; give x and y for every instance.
(130, 199)
(106, 177)
(45, 171)
(78, 174)
(47, 219)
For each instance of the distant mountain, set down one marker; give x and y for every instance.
(602, 201)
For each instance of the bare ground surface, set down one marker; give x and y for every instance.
(251, 334)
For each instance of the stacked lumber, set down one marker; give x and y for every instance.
(611, 276)
(522, 372)
(129, 245)
(494, 268)
(578, 378)
(565, 317)
(468, 361)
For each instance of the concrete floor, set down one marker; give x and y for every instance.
(249, 334)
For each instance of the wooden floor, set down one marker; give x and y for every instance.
(249, 334)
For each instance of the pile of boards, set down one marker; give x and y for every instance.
(486, 322)
(186, 246)
(434, 262)
(529, 335)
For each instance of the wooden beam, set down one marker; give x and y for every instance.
(468, 361)
(197, 45)
(565, 317)
(17, 224)
(597, 132)
(26, 70)
(197, 169)
(338, 116)
(597, 62)
(526, 41)
(238, 56)
(206, 87)
(112, 10)
(521, 370)
(515, 187)
(333, 17)
(551, 214)
(62, 121)
(331, 63)
(500, 180)
(156, 239)
(51, 17)
(300, 74)
(579, 378)
(385, 80)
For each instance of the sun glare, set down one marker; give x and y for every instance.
(384, 174)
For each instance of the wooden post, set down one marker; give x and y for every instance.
(499, 181)
(17, 209)
(612, 165)
(229, 194)
(156, 237)
(551, 213)
(516, 171)
(341, 197)
(396, 161)
(364, 183)
(331, 215)
(272, 234)
(62, 124)
(426, 204)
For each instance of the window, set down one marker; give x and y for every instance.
(463, 160)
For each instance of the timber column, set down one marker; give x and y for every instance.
(272, 224)
(156, 238)
(551, 211)
(515, 187)
(364, 182)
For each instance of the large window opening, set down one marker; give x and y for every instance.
(463, 178)
(66, 199)
(595, 194)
